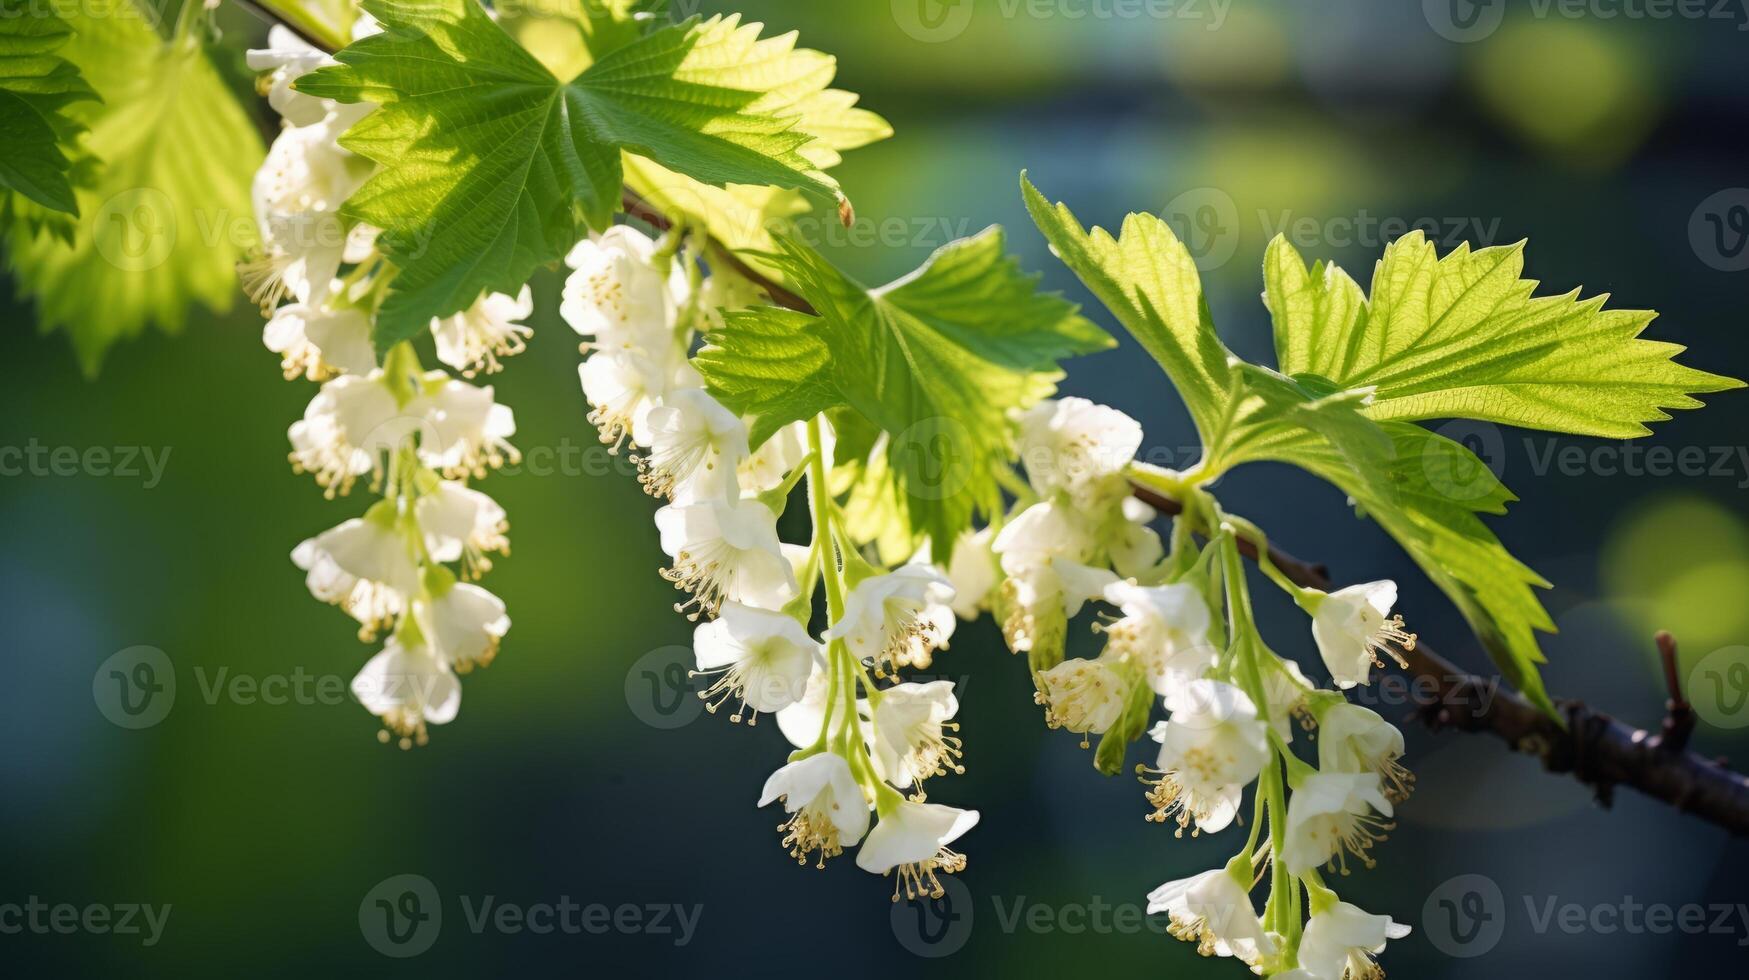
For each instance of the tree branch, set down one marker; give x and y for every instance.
(1593, 747)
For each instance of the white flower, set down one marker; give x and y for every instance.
(1042, 552)
(1134, 547)
(1352, 630)
(286, 59)
(827, 809)
(1084, 696)
(1210, 748)
(1355, 739)
(464, 624)
(320, 343)
(884, 616)
(1341, 941)
(801, 722)
(1164, 630)
(475, 340)
(696, 446)
(725, 551)
(365, 566)
(620, 295)
(913, 839)
(408, 688)
(1286, 686)
(974, 573)
(1331, 817)
(462, 524)
(297, 195)
(763, 660)
(773, 461)
(623, 389)
(464, 431)
(1214, 911)
(1040, 533)
(909, 743)
(345, 430)
(1076, 446)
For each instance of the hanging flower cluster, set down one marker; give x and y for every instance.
(865, 740)
(405, 570)
(1181, 630)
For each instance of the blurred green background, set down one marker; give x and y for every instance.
(1615, 144)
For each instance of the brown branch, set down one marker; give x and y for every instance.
(1595, 748)
(262, 12)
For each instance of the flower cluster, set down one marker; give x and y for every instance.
(865, 741)
(405, 569)
(1180, 630)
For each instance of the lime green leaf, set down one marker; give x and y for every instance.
(1463, 337)
(769, 364)
(937, 361)
(491, 167)
(169, 213)
(36, 87)
(1428, 495)
(1147, 278)
(742, 218)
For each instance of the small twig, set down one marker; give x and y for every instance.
(1679, 717)
(261, 12)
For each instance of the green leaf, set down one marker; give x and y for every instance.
(1149, 281)
(937, 361)
(1429, 494)
(1463, 337)
(168, 215)
(769, 364)
(491, 167)
(36, 87)
(741, 217)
